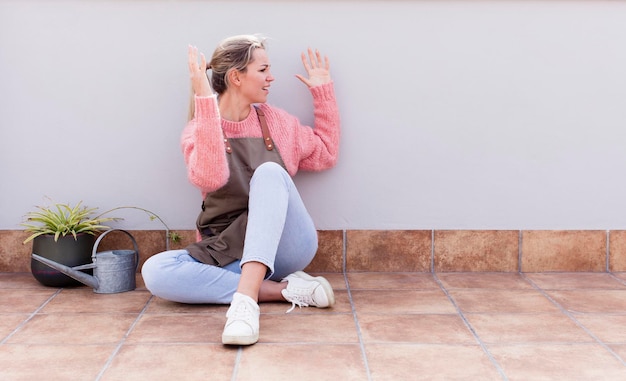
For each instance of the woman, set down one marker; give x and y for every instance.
(256, 235)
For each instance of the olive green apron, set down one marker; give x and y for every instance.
(224, 216)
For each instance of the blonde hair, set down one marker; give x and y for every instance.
(233, 53)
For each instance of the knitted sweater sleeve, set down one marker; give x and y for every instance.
(319, 147)
(306, 148)
(202, 143)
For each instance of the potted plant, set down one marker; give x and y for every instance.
(64, 234)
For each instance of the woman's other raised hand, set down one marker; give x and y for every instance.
(197, 73)
(317, 69)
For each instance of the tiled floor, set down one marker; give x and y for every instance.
(384, 326)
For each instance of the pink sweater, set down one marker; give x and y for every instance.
(301, 147)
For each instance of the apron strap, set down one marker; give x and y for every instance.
(267, 139)
(266, 131)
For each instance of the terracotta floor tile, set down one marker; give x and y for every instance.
(23, 300)
(329, 256)
(342, 305)
(569, 281)
(9, 322)
(563, 250)
(415, 328)
(558, 362)
(527, 328)
(162, 306)
(302, 362)
(595, 301)
(393, 362)
(180, 328)
(141, 286)
(169, 362)
(53, 362)
(502, 301)
(74, 329)
(19, 280)
(392, 281)
(501, 281)
(408, 325)
(14, 256)
(371, 250)
(476, 250)
(617, 247)
(336, 280)
(620, 276)
(607, 328)
(620, 350)
(402, 302)
(84, 300)
(307, 328)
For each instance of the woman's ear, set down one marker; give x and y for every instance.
(234, 77)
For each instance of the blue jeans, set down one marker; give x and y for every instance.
(280, 234)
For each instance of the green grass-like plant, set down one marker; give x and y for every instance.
(63, 219)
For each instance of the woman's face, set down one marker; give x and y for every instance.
(255, 81)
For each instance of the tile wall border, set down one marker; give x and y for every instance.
(409, 250)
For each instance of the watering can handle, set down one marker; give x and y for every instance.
(95, 246)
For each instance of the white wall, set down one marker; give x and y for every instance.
(456, 114)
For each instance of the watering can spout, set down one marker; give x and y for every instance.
(70, 271)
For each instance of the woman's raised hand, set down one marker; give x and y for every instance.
(197, 74)
(316, 68)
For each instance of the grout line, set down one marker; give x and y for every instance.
(121, 343)
(344, 265)
(432, 251)
(358, 328)
(608, 250)
(620, 280)
(29, 318)
(572, 318)
(344, 254)
(492, 359)
(237, 362)
(519, 250)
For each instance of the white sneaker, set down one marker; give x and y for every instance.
(304, 290)
(242, 326)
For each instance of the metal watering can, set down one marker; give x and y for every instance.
(114, 271)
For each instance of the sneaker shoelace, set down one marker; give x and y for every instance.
(241, 312)
(299, 300)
